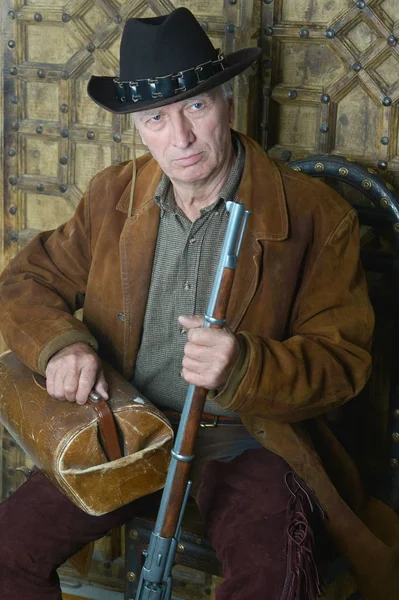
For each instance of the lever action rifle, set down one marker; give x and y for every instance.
(156, 575)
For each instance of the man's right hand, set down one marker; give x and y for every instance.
(73, 372)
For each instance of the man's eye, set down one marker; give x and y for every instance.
(197, 105)
(156, 118)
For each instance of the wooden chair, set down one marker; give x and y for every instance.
(376, 427)
(378, 210)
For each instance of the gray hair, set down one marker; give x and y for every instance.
(227, 90)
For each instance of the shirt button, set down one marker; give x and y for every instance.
(183, 330)
(192, 240)
(187, 287)
(181, 374)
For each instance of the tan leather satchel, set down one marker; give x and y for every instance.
(64, 441)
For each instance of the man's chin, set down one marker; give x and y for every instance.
(189, 174)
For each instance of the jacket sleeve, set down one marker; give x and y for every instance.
(42, 287)
(326, 359)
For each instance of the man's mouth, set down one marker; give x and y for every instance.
(186, 161)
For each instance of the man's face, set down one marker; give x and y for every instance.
(191, 139)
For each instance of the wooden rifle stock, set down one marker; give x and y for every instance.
(180, 479)
(156, 580)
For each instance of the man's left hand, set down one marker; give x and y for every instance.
(209, 354)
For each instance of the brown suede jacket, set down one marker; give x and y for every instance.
(299, 302)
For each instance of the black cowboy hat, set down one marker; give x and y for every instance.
(163, 60)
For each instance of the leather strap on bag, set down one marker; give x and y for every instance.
(106, 421)
(107, 426)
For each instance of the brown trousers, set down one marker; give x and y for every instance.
(259, 522)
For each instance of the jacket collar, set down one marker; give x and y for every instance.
(262, 192)
(267, 203)
(148, 177)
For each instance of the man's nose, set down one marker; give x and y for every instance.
(182, 131)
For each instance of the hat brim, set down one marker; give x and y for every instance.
(102, 91)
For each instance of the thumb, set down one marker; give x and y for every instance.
(191, 322)
(101, 386)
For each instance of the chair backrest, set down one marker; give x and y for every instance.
(370, 428)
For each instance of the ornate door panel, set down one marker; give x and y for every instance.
(331, 80)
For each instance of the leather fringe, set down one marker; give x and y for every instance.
(303, 580)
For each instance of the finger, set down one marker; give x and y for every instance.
(101, 386)
(198, 379)
(50, 382)
(58, 385)
(191, 322)
(197, 352)
(208, 374)
(205, 336)
(192, 365)
(53, 383)
(87, 381)
(190, 376)
(71, 382)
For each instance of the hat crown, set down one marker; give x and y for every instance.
(159, 46)
(158, 60)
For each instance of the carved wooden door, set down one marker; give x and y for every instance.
(331, 80)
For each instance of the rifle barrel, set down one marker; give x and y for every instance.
(155, 579)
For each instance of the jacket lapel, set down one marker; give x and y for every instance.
(261, 191)
(137, 248)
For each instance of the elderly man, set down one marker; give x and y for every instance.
(140, 254)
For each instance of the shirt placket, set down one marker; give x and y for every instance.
(188, 276)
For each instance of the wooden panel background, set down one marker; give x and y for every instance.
(331, 80)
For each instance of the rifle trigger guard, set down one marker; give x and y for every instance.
(214, 321)
(181, 457)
